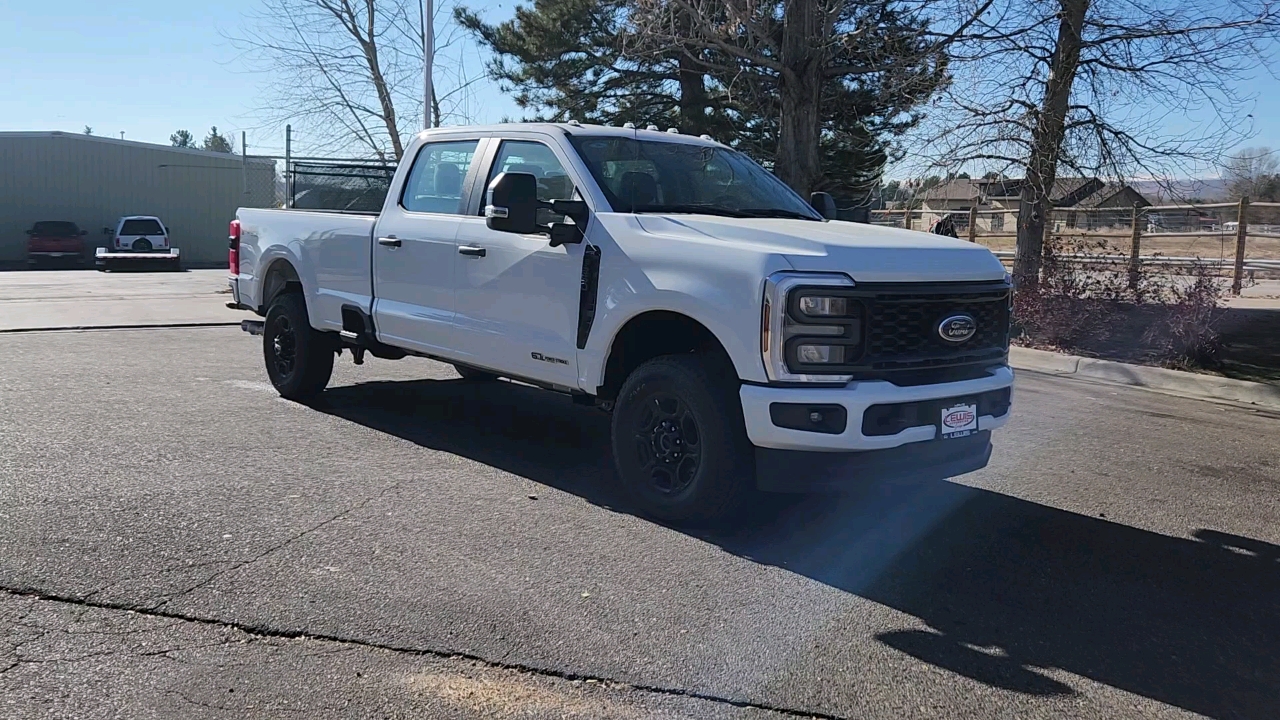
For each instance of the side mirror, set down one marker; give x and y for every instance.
(106, 231)
(31, 232)
(83, 233)
(824, 204)
(512, 204)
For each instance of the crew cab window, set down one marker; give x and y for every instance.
(55, 227)
(141, 227)
(537, 160)
(435, 182)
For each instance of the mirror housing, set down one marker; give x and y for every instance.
(83, 233)
(565, 234)
(824, 204)
(107, 231)
(512, 203)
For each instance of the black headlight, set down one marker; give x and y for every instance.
(822, 329)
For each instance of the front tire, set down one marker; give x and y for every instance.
(299, 359)
(679, 443)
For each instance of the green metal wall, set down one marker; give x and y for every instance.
(93, 181)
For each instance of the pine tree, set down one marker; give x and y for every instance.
(652, 62)
(215, 142)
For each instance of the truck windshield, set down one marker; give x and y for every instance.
(651, 176)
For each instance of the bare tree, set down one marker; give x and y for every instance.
(348, 73)
(797, 49)
(1251, 172)
(1091, 87)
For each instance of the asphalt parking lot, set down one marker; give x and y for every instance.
(177, 541)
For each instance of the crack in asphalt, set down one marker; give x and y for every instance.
(278, 546)
(269, 632)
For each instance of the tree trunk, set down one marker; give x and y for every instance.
(693, 96)
(369, 45)
(798, 162)
(1046, 145)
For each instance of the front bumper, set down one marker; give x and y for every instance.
(790, 459)
(794, 471)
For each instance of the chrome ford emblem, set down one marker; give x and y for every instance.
(957, 328)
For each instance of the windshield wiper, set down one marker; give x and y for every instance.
(775, 213)
(691, 210)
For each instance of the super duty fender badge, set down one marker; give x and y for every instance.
(547, 358)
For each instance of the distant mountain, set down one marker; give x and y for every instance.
(1159, 192)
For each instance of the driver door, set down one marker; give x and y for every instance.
(516, 306)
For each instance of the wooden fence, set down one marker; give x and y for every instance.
(1244, 236)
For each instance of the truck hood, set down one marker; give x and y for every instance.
(867, 253)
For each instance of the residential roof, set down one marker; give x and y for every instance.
(1106, 192)
(958, 189)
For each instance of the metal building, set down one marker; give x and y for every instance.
(93, 181)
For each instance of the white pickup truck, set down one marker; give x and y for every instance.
(741, 339)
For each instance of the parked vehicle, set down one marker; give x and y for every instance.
(740, 339)
(55, 241)
(138, 242)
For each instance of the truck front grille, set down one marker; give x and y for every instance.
(900, 332)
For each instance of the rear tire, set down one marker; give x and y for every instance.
(474, 375)
(679, 443)
(299, 358)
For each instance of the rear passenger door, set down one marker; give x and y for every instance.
(414, 251)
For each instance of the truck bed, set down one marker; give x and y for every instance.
(332, 252)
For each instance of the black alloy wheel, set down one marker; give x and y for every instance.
(668, 443)
(284, 345)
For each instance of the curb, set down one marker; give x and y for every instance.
(144, 326)
(1195, 385)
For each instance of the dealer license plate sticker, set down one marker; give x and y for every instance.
(959, 421)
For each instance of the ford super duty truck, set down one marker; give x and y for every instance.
(740, 337)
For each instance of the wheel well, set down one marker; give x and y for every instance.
(649, 335)
(281, 277)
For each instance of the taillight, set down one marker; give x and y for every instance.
(233, 255)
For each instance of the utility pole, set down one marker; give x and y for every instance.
(288, 166)
(428, 55)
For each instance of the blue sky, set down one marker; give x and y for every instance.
(148, 67)
(145, 67)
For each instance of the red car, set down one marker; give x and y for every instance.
(54, 241)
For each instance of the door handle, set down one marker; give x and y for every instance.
(389, 241)
(471, 251)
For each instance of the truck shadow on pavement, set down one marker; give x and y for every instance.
(1012, 591)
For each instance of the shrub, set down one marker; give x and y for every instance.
(1098, 307)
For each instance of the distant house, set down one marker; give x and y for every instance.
(957, 197)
